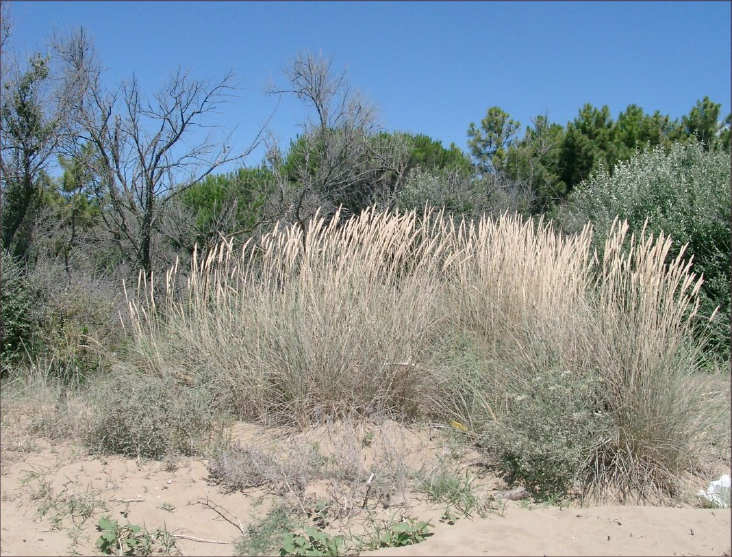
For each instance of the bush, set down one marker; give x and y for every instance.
(80, 327)
(227, 203)
(683, 192)
(144, 416)
(550, 432)
(461, 194)
(16, 305)
(67, 324)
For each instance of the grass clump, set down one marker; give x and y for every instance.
(58, 505)
(577, 370)
(443, 485)
(682, 192)
(574, 369)
(306, 324)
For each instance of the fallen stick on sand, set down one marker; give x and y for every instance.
(202, 540)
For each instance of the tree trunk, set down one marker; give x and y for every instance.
(145, 244)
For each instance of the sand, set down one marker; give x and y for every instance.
(156, 495)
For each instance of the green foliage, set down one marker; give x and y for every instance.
(723, 140)
(702, 122)
(73, 204)
(635, 130)
(371, 171)
(407, 531)
(304, 157)
(266, 537)
(131, 539)
(488, 143)
(588, 142)
(429, 154)
(535, 161)
(549, 431)
(312, 542)
(71, 323)
(230, 204)
(443, 485)
(462, 194)
(684, 193)
(30, 136)
(16, 303)
(146, 416)
(552, 160)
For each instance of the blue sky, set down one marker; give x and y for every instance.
(430, 67)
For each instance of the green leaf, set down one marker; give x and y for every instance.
(106, 524)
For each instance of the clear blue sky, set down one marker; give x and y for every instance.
(430, 67)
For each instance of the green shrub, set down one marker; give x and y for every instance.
(461, 194)
(67, 324)
(16, 311)
(146, 416)
(227, 203)
(683, 192)
(549, 431)
(266, 536)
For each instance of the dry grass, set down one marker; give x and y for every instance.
(395, 314)
(640, 341)
(351, 467)
(295, 330)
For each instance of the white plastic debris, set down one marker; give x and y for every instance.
(718, 492)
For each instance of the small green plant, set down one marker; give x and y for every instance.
(131, 539)
(58, 506)
(312, 542)
(448, 517)
(407, 531)
(167, 507)
(443, 485)
(265, 537)
(367, 439)
(319, 513)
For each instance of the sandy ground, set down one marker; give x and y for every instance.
(606, 530)
(36, 472)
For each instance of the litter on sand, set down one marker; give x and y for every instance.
(718, 491)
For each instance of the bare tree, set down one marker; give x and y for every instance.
(142, 158)
(6, 24)
(339, 159)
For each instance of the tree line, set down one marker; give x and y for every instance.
(136, 190)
